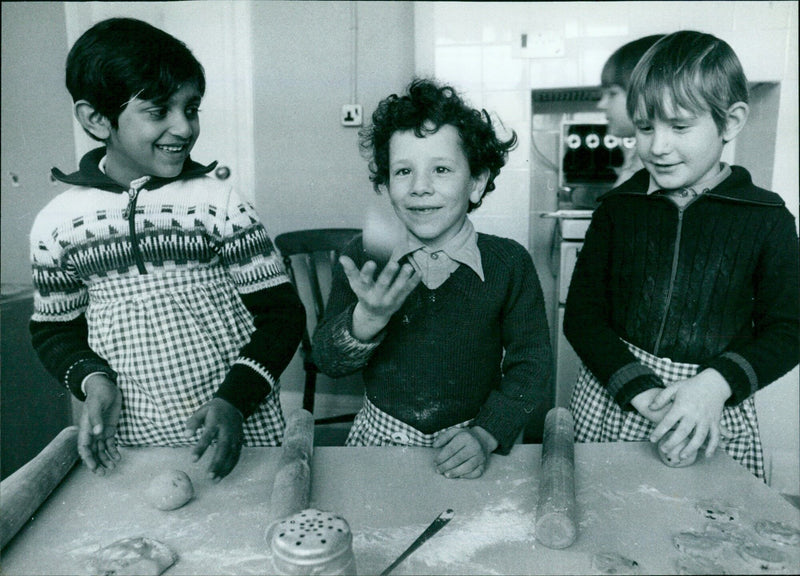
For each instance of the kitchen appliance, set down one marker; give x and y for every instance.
(588, 157)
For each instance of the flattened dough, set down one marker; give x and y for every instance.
(778, 532)
(169, 490)
(696, 565)
(718, 511)
(762, 557)
(697, 544)
(138, 556)
(613, 563)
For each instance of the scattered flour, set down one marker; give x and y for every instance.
(460, 540)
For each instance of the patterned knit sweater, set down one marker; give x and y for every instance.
(98, 231)
(468, 349)
(714, 283)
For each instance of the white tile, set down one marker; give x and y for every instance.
(501, 71)
(763, 15)
(511, 195)
(511, 106)
(515, 228)
(711, 17)
(763, 56)
(460, 65)
(554, 73)
(457, 23)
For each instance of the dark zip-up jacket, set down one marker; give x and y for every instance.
(714, 283)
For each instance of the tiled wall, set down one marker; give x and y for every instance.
(476, 47)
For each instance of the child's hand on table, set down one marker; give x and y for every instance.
(695, 410)
(464, 452)
(98, 424)
(222, 424)
(378, 298)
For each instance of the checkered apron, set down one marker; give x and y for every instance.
(374, 427)
(598, 418)
(171, 338)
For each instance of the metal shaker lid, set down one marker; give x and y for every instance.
(311, 538)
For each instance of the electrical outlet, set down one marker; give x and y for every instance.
(351, 115)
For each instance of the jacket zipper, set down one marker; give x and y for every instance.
(673, 272)
(130, 215)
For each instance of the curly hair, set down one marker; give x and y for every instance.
(424, 108)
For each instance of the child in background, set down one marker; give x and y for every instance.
(451, 335)
(615, 79)
(684, 299)
(159, 299)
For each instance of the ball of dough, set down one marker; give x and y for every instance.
(170, 490)
(675, 462)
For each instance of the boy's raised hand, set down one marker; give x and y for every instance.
(378, 298)
(97, 430)
(222, 425)
(695, 410)
(464, 452)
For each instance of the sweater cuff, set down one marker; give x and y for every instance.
(80, 370)
(246, 386)
(739, 374)
(496, 418)
(630, 381)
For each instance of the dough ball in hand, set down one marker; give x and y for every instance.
(170, 490)
(382, 232)
(675, 462)
(133, 557)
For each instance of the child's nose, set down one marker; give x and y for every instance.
(421, 184)
(660, 142)
(181, 126)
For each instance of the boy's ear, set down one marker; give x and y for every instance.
(479, 186)
(735, 120)
(92, 121)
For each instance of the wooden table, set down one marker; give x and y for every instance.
(628, 502)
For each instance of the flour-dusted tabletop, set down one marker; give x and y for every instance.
(628, 503)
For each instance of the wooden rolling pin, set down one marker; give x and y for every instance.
(555, 513)
(24, 491)
(291, 490)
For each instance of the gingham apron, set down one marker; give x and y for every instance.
(598, 418)
(171, 337)
(374, 427)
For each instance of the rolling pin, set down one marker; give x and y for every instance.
(291, 490)
(555, 512)
(25, 490)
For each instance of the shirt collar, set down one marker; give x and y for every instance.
(701, 186)
(462, 248)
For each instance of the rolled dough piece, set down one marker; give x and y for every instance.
(762, 557)
(728, 532)
(169, 490)
(778, 532)
(697, 544)
(137, 556)
(698, 566)
(613, 563)
(718, 511)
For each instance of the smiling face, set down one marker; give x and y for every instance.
(153, 137)
(430, 184)
(612, 103)
(682, 149)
